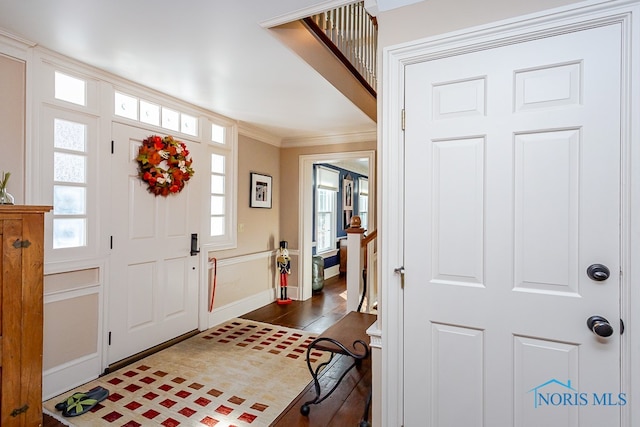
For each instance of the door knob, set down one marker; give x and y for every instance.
(598, 272)
(600, 326)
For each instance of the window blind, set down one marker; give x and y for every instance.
(327, 179)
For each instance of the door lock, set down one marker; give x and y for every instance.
(194, 245)
(598, 272)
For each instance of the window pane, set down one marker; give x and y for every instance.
(325, 220)
(69, 200)
(126, 106)
(70, 89)
(364, 221)
(363, 185)
(189, 125)
(217, 163)
(149, 113)
(69, 168)
(217, 134)
(217, 226)
(217, 184)
(69, 135)
(170, 119)
(69, 233)
(217, 205)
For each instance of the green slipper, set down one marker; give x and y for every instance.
(85, 403)
(60, 406)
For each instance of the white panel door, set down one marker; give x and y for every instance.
(512, 163)
(153, 283)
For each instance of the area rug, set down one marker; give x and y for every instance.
(241, 373)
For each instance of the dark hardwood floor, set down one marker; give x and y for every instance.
(346, 405)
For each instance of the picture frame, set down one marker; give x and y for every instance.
(347, 218)
(347, 193)
(260, 193)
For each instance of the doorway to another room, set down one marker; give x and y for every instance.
(334, 188)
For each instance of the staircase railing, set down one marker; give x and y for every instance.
(352, 34)
(361, 268)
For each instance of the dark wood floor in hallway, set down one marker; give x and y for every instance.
(346, 405)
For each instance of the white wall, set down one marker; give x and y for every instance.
(432, 17)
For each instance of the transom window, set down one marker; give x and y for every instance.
(133, 108)
(70, 89)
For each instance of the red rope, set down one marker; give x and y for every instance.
(212, 284)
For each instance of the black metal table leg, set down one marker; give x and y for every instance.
(357, 358)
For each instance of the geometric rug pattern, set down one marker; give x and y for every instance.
(240, 373)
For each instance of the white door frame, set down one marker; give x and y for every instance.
(305, 209)
(394, 60)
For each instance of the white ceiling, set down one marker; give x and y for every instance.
(212, 53)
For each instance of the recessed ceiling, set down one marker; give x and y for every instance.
(214, 54)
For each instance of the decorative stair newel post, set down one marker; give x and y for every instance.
(355, 263)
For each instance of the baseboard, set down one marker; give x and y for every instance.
(238, 308)
(331, 272)
(70, 375)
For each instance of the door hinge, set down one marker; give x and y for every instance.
(112, 149)
(403, 118)
(621, 327)
(109, 339)
(20, 410)
(110, 242)
(400, 271)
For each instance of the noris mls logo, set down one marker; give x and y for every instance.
(556, 393)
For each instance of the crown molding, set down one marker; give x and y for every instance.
(249, 131)
(349, 138)
(15, 38)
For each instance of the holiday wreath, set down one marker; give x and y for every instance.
(164, 164)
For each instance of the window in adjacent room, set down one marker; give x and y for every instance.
(326, 195)
(363, 201)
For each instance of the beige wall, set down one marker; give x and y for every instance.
(289, 161)
(12, 124)
(432, 17)
(258, 228)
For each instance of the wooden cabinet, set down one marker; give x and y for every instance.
(21, 315)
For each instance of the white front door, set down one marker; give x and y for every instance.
(512, 158)
(153, 283)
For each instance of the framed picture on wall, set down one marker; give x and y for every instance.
(347, 193)
(260, 193)
(347, 218)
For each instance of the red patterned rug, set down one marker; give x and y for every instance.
(241, 373)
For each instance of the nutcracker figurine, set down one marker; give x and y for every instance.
(283, 262)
